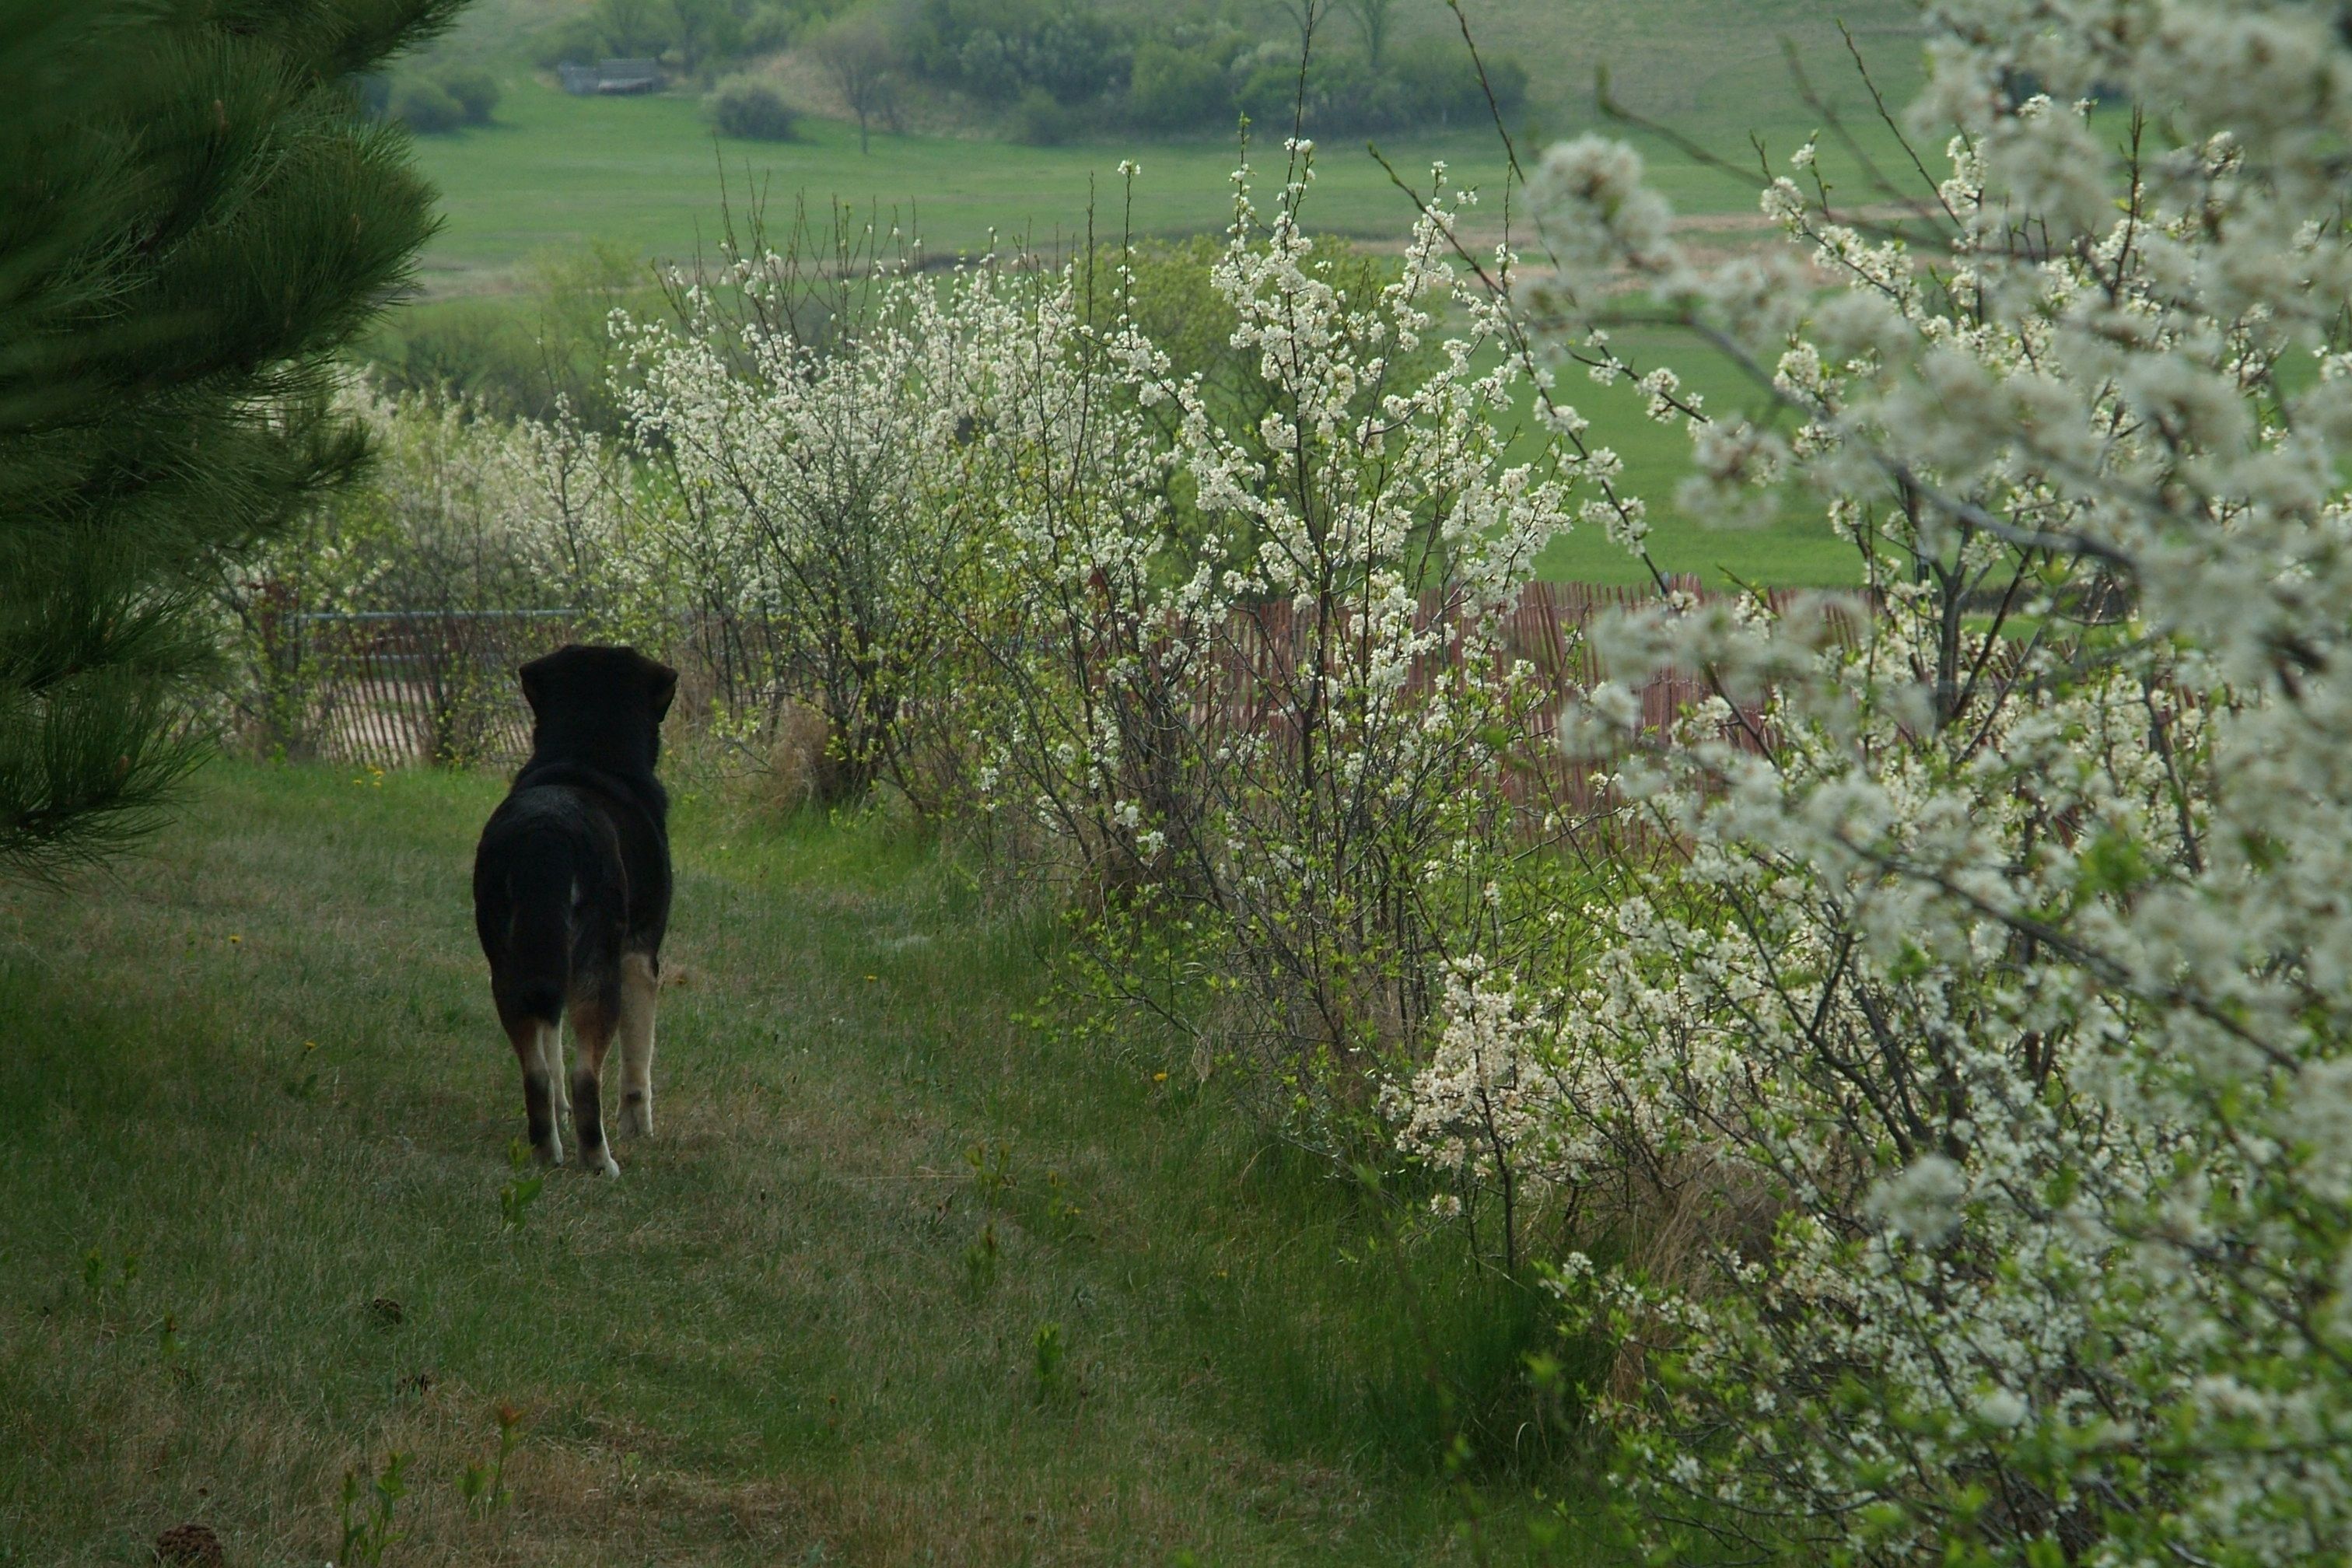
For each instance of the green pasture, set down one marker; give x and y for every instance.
(905, 1277)
(647, 175)
(555, 173)
(1795, 550)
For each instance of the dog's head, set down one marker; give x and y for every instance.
(597, 704)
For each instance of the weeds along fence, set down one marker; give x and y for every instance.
(392, 688)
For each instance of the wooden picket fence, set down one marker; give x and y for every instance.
(393, 688)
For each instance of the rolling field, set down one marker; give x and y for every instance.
(646, 174)
(1795, 550)
(903, 1278)
(555, 173)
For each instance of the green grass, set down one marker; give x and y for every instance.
(1710, 67)
(646, 175)
(1795, 550)
(556, 173)
(253, 1084)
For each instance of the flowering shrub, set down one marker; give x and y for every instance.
(1252, 677)
(811, 516)
(458, 518)
(1087, 648)
(1375, 530)
(1992, 1010)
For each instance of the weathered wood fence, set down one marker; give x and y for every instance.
(392, 688)
(1544, 631)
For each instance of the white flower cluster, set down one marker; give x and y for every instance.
(1992, 989)
(460, 513)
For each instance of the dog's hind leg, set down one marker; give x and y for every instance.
(640, 989)
(535, 1042)
(591, 1032)
(551, 1045)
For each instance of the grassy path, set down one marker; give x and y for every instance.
(252, 1086)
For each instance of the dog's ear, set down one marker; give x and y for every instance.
(661, 685)
(533, 677)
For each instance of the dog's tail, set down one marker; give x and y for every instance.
(542, 885)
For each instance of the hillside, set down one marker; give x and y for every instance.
(1705, 62)
(1711, 68)
(554, 172)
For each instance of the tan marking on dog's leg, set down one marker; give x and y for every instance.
(640, 989)
(551, 1053)
(591, 1032)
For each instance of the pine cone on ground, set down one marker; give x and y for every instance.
(189, 1546)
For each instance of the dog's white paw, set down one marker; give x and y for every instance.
(602, 1164)
(637, 1117)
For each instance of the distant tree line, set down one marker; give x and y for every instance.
(1063, 66)
(1050, 69)
(692, 37)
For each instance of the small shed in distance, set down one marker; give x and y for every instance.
(609, 75)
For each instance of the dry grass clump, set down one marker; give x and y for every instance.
(1670, 1222)
(189, 1546)
(798, 767)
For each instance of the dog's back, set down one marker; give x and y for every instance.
(571, 886)
(550, 893)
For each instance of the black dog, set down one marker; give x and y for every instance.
(571, 890)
